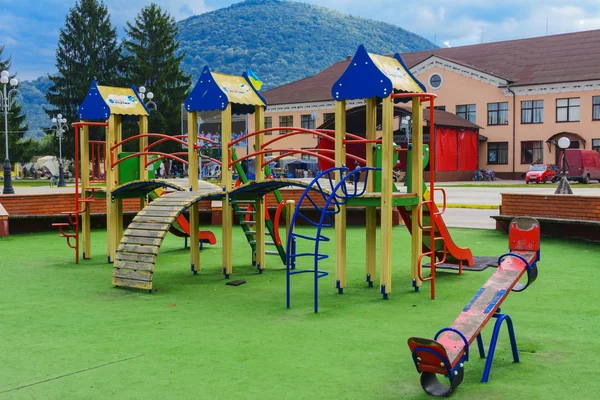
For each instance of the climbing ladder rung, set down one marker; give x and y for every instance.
(245, 212)
(272, 252)
(267, 243)
(247, 222)
(249, 233)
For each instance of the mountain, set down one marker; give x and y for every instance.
(284, 41)
(33, 102)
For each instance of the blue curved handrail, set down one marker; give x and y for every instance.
(520, 257)
(459, 333)
(338, 195)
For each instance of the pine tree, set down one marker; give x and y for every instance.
(150, 59)
(87, 49)
(20, 150)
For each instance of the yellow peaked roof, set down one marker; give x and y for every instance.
(392, 68)
(237, 89)
(122, 101)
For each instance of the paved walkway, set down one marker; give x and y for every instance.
(454, 217)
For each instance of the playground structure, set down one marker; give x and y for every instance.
(367, 183)
(449, 350)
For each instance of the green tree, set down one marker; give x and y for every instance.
(87, 49)
(150, 59)
(20, 149)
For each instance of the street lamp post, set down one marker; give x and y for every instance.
(563, 185)
(150, 104)
(60, 125)
(6, 100)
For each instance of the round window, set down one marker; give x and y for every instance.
(435, 81)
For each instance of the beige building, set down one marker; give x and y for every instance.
(523, 93)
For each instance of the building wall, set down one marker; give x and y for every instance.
(458, 89)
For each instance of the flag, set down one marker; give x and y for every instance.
(255, 80)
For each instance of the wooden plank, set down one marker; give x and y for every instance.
(164, 208)
(134, 266)
(141, 240)
(158, 213)
(149, 226)
(132, 283)
(130, 274)
(340, 217)
(145, 233)
(141, 258)
(138, 249)
(172, 203)
(153, 219)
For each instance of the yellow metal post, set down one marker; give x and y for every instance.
(226, 182)
(193, 183)
(110, 185)
(118, 215)
(143, 129)
(371, 212)
(84, 156)
(290, 207)
(417, 186)
(259, 124)
(387, 164)
(340, 217)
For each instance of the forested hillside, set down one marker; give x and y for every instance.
(284, 41)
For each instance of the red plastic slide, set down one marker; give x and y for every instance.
(454, 254)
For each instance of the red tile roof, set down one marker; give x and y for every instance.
(561, 58)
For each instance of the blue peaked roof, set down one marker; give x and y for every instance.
(215, 91)
(102, 101)
(370, 75)
(93, 108)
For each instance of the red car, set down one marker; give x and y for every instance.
(540, 173)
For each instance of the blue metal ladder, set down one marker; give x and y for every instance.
(335, 195)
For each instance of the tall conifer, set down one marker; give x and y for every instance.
(87, 49)
(150, 59)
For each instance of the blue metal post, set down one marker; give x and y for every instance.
(488, 364)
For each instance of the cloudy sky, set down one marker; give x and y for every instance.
(29, 28)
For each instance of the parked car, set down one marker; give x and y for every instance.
(540, 173)
(582, 165)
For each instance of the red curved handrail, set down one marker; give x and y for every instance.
(146, 153)
(211, 159)
(289, 152)
(277, 217)
(142, 135)
(296, 131)
(292, 151)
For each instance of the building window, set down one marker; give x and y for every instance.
(532, 152)
(596, 145)
(567, 110)
(328, 116)
(441, 108)
(268, 124)
(466, 111)
(435, 81)
(308, 156)
(498, 153)
(306, 122)
(498, 113)
(286, 121)
(532, 112)
(596, 108)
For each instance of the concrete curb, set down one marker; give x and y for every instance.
(472, 206)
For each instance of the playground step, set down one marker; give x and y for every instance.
(267, 243)
(245, 212)
(272, 253)
(247, 222)
(249, 233)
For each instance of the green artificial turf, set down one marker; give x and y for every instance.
(66, 333)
